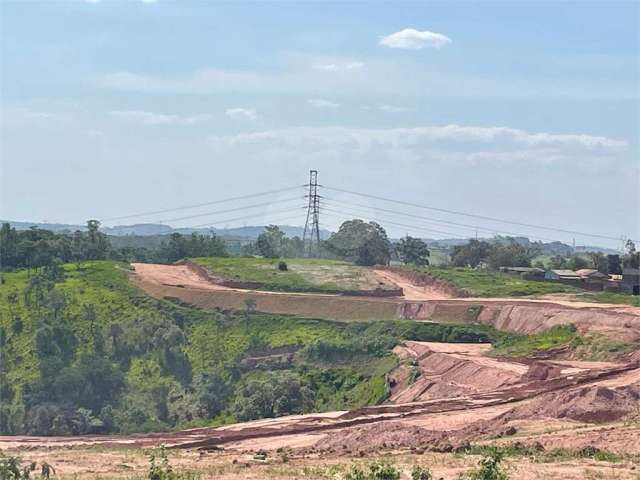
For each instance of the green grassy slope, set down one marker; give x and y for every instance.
(483, 283)
(165, 346)
(302, 274)
(492, 284)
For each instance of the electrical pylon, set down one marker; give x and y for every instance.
(311, 236)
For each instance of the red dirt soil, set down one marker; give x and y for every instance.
(525, 316)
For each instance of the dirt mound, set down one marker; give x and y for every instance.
(586, 404)
(391, 435)
(419, 285)
(446, 374)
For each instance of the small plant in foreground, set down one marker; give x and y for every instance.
(419, 473)
(159, 468)
(10, 469)
(488, 468)
(373, 471)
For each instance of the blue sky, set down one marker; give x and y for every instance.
(518, 110)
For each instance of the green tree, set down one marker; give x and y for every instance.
(270, 243)
(360, 242)
(471, 254)
(599, 262)
(413, 251)
(576, 262)
(511, 254)
(632, 257)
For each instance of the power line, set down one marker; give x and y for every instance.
(205, 225)
(415, 227)
(410, 229)
(214, 202)
(255, 205)
(435, 220)
(272, 220)
(493, 219)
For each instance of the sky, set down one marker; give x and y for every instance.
(526, 111)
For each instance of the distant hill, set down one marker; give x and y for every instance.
(152, 229)
(251, 232)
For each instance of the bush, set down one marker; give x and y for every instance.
(159, 468)
(489, 467)
(374, 471)
(419, 473)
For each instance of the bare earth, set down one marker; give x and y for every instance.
(420, 302)
(442, 396)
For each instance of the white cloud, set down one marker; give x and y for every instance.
(153, 118)
(322, 103)
(449, 144)
(412, 39)
(336, 67)
(242, 114)
(394, 109)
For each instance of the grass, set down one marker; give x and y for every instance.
(216, 340)
(589, 347)
(553, 455)
(610, 297)
(302, 274)
(525, 345)
(483, 283)
(102, 284)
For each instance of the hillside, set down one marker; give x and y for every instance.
(296, 275)
(86, 351)
(482, 283)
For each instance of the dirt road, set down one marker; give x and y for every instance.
(419, 303)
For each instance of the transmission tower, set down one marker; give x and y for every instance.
(311, 236)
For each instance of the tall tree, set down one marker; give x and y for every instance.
(360, 242)
(413, 251)
(270, 243)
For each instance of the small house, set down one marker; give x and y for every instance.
(592, 274)
(527, 273)
(631, 281)
(562, 275)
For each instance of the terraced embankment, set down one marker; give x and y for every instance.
(465, 400)
(189, 285)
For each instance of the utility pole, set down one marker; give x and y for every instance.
(311, 236)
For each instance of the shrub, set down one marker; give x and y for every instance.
(488, 468)
(374, 471)
(419, 473)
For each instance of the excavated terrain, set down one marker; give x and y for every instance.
(421, 300)
(442, 397)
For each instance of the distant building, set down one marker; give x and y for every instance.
(524, 272)
(592, 274)
(562, 275)
(630, 281)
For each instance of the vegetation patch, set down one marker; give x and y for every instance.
(85, 351)
(295, 275)
(525, 345)
(484, 283)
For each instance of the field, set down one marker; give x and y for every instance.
(86, 462)
(491, 284)
(480, 283)
(407, 392)
(302, 274)
(155, 346)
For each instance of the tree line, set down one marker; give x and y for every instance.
(37, 248)
(510, 253)
(364, 243)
